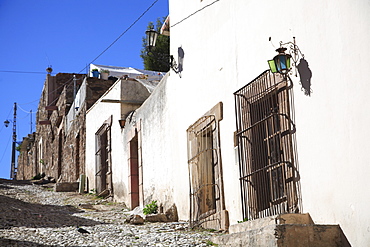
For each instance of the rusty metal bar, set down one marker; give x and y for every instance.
(204, 169)
(269, 177)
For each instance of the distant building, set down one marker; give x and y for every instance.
(57, 148)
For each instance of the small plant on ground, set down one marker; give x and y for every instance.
(210, 243)
(241, 221)
(151, 208)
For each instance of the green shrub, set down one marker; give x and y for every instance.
(151, 208)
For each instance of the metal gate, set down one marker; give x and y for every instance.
(205, 175)
(265, 136)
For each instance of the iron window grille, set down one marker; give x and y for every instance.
(205, 172)
(265, 139)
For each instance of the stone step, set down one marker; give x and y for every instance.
(304, 219)
(66, 187)
(283, 230)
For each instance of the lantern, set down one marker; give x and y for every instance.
(281, 62)
(151, 38)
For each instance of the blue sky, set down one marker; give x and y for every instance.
(67, 35)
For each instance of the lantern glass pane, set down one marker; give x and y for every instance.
(283, 62)
(272, 66)
(151, 37)
(277, 63)
(288, 62)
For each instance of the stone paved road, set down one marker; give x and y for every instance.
(32, 215)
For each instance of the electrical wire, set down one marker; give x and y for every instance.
(124, 32)
(21, 72)
(25, 110)
(67, 83)
(6, 149)
(28, 102)
(206, 6)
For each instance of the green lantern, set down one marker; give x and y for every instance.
(281, 62)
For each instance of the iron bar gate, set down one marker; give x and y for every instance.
(265, 136)
(204, 171)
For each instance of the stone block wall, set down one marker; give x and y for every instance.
(55, 151)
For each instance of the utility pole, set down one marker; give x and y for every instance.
(31, 120)
(13, 172)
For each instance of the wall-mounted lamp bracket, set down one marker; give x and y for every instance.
(165, 59)
(287, 51)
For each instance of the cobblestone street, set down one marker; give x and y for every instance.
(34, 215)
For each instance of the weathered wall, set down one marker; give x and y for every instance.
(54, 102)
(58, 151)
(26, 158)
(95, 118)
(226, 45)
(158, 157)
(127, 90)
(74, 148)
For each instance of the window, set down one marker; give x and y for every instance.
(265, 139)
(205, 171)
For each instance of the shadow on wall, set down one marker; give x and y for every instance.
(180, 56)
(305, 75)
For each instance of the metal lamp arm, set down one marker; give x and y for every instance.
(294, 51)
(164, 59)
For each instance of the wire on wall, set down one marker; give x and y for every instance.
(206, 6)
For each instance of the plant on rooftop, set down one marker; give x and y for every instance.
(94, 70)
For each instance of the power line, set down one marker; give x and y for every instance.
(6, 149)
(22, 72)
(24, 109)
(122, 34)
(70, 80)
(206, 6)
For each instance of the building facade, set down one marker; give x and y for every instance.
(57, 148)
(220, 112)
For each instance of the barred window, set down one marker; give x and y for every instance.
(205, 170)
(269, 176)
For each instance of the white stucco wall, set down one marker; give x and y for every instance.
(165, 171)
(226, 46)
(95, 118)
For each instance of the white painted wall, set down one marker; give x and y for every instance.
(226, 46)
(95, 118)
(163, 134)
